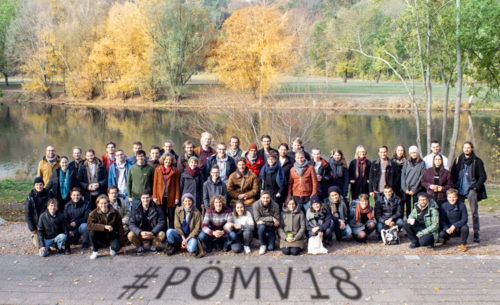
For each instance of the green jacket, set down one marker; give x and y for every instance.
(431, 222)
(140, 177)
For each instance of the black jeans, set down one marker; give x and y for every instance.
(412, 231)
(98, 239)
(168, 212)
(291, 251)
(462, 232)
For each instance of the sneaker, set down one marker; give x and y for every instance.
(225, 249)
(446, 242)
(463, 248)
(94, 255)
(247, 249)
(170, 250)
(85, 245)
(413, 246)
(153, 250)
(140, 250)
(262, 250)
(112, 252)
(430, 246)
(476, 238)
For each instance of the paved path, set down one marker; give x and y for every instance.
(381, 280)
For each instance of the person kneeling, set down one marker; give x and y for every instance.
(52, 229)
(292, 228)
(105, 227)
(217, 225)
(362, 221)
(388, 210)
(146, 222)
(423, 224)
(187, 227)
(243, 226)
(453, 219)
(319, 221)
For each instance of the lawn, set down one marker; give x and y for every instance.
(12, 197)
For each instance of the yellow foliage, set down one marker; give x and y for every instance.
(257, 44)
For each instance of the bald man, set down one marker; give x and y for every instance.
(48, 164)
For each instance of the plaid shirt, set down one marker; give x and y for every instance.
(431, 219)
(214, 221)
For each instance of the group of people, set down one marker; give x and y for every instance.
(222, 198)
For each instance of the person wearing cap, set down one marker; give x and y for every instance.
(388, 210)
(303, 182)
(217, 229)
(422, 226)
(338, 207)
(362, 220)
(266, 214)
(226, 164)
(186, 229)
(48, 164)
(34, 206)
(140, 177)
(63, 179)
(319, 220)
(192, 182)
(453, 219)
(243, 184)
(254, 162)
(411, 178)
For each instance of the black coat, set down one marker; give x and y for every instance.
(102, 179)
(212, 160)
(291, 154)
(194, 186)
(392, 210)
(155, 216)
(478, 172)
(452, 215)
(287, 167)
(261, 153)
(269, 184)
(325, 171)
(74, 167)
(392, 175)
(360, 185)
(342, 182)
(34, 206)
(53, 186)
(77, 212)
(162, 152)
(49, 227)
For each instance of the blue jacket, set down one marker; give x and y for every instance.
(112, 174)
(212, 160)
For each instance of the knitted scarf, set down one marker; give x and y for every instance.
(337, 168)
(299, 168)
(280, 176)
(166, 170)
(192, 172)
(399, 161)
(316, 218)
(234, 153)
(360, 211)
(360, 167)
(64, 183)
(252, 160)
(51, 160)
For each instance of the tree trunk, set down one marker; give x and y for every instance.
(378, 76)
(345, 77)
(458, 100)
(6, 77)
(326, 72)
(417, 123)
(445, 114)
(428, 82)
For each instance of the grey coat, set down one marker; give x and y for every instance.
(211, 189)
(124, 209)
(412, 175)
(292, 222)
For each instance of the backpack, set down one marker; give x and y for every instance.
(390, 235)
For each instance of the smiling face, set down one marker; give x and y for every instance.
(362, 153)
(167, 146)
(363, 203)
(296, 146)
(120, 157)
(291, 205)
(75, 196)
(77, 154)
(103, 205)
(189, 149)
(64, 164)
(110, 149)
(467, 149)
(206, 140)
(337, 157)
(266, 143)
(193, 163)
(400, 152)
(316, 154)
(438, 161)
(271, 160)
(414, 155)
(334, 197)
(316, 206)
(234, 143)
(168, 162)
(214, 174)
(435, 148)
(382, 153)
(218, 205)
(282, 151)
(39, 187)
(252, 153)
(155, 154)
(50, 152)
(221, 151)
(242, 165)
(452, 198)
(300, 159)
(388, 193)
(52, 208)
(187, 202)
(145, 199)
(140, 159)
(240, 209)
(423, 201)
(266, 199)
(90, 156)
(136, 147)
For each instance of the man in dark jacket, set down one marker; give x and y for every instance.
(35, 205)
(140, 177)
(388, 210)
(168, 148)
(453, 219)
(469, 176)
(383, 172)
(76, 213)
(265, 140)
(92, 177)
(323, 173)
(52, 229)
(146, 222)
(297, 146)
(77, 159)
(226, 164)
(266, 215)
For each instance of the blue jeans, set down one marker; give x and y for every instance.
(135, 202)
(267, 236)
(173, 236)
(209, 241)
(380, 226)
(342, 233)
(58, 240)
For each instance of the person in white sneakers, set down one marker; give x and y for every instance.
(243, 226)
(266, 214)
(105, 228)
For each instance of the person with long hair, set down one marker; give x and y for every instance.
(62, 180)
(292, 228)
(340, 173)
(411, 178)
(437, 180)
(363, 221)
(399, 156)
(217, 227)
(243, 226)
(166, 187)
(359, 171)
(192, 180)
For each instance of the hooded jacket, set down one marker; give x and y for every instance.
(292, 222)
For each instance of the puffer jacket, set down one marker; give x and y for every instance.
(257, 166)
(292, 222)
(50, 226)
(97, 221)
(77, 212)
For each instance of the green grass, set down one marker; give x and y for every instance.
(12, 197)
(493, 202)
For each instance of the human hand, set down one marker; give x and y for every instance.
(108, 227)
(315, 229)
(372, 194)
(260, 222)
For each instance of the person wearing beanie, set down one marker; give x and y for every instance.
(411, 177)
(34, 206)
(186, 229)
(48, 164)
(254, 162)
(192, 182)
(336, 203)
(319, 220)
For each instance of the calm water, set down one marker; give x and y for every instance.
(28, 127)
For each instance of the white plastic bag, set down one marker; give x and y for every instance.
(315, 246)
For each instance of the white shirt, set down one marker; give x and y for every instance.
(429, 161)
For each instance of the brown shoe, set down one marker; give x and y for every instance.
(463, 248)
(446, 242)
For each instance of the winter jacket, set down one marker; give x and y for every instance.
(77, 212)
(247, 184)
(97, 221)
(34, 206)
(325, 171)
(291, 154)
(305, 186)
(287, 167)
(194, 226)
(211, 189)
(107, 162)
(341, 212)
(263, 155)
(139, 178)
(411, 176)
(453, 215)
(162, 152)
(292, 222)
(257, 166)
(113, 177)
(182, 163)
(323, 222)
(352, 215)
(133, 160)
(342, 182)
(173, 186)
(54, 186)
(361, 184)
(478, 173)
(203, 157)
(391, 175)
(212, 160)
(393, 209)
(102, 178)
(215, 221)
(154, 215)
(266, 213)
(431, 219)
(45, 170)
(444, 181)
(153, 163)
(124, 209)
(50, 226)
(193, 186)
(74, 166)
(269, 183)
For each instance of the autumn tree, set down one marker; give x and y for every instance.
(7, 64)
(256, 44)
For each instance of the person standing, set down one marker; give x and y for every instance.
(359, 173)
(204, 151)
(399, 156)
(77, 159)
(166, 187)
(272, 177)
(303, 182)
(435, 150)
(48, 164)
(411, 177)
(383, 172)
(92, 177)
(76, 213)
(154, 160)
(468, 176)
(340, 173)
(35, 205)
(254, 162)
(265, 140)
(182, 161)
(140, 177)
(63, 179)
(453, 220)
(52, 228)
(323, 172)
(118, 174)
(437, 180)
(168, 147)
(226, 164)
(422, 226)
(109, 157)
(136, 146)
(266, 214)
(243, 184)
(296, 147)
(286, 162)
(234, 150)
(292, 228)
(191, 182)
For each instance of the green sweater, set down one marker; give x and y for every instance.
(140, 177)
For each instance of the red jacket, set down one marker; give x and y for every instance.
(257, 166)
(305, 186)
(107, 162)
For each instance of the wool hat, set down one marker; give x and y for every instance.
(335, 189)
(315, 199)
(413, 149)
(193, 158)
(38, 180)
(252, 146)
(187, 195)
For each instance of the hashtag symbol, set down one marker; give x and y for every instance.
(140, 282)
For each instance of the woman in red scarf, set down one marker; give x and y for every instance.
(361, 218)
(359, 170)
(166, 190)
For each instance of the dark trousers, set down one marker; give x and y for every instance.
(462, 232)
(412, 231)
(92, 200)
(472, 198)
(243, 238)
(267, 236)
(408, 204)
(168, 212)
(99, 239)
(211, 241)
(291, 251)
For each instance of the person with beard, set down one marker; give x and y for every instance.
(77, 159)
(192, 182)
(166, 187)
(168, 147)
(213, 186)
(323, 172)
(182, 161)
(468, 176)
(234, 150)
(411, 178)
(92, 177)
(154, 160)
(254, 161)
(272, 177)
(265, 140)
(359, 171)
(266, 214)
(399, 156)
(303, 182)
(338, 208)
(118, 174)
(48, 164)
(422, 226)
(437, 180)
(34, 206)
(225, 163)
(361, 217)
(63, 179)
(243, 185)
(109, 157)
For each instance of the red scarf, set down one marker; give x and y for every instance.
(360, 167)
(360, 211)
(192, 172)
(165, 170)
